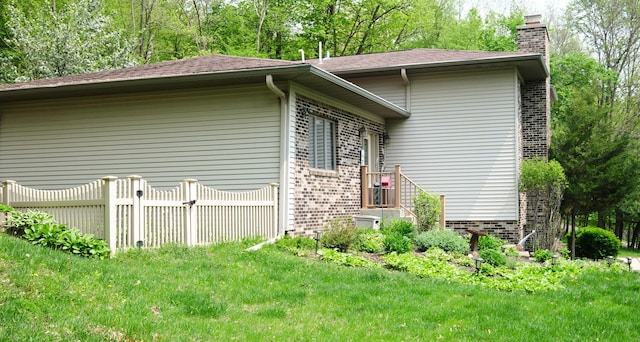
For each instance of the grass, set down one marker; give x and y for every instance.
(625, 252)
(224, 293)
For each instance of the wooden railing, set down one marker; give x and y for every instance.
(392, 190)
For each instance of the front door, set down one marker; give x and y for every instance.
(370, 152)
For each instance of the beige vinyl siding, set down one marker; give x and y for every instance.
(227, 138)
(390, 88)
(461, 141)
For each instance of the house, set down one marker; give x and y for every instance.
(458, 122)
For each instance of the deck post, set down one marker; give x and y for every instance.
(110, 217)
(398, 186)
(364, 180)
(443, 216)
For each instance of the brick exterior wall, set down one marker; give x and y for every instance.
(322, 195)
(506, 230)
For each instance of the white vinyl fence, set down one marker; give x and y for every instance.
(129, 212)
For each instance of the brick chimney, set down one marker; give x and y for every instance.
(536, 95)
(535, 115)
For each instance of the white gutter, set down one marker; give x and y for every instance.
(284, 156)
(407, 89)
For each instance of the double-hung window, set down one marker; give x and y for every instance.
(322, 143)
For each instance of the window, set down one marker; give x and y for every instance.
(322, 143)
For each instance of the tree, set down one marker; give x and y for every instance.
(543, 182)
(594, 143)
(76, 39)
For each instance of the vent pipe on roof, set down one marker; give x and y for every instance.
(327, 57)
(301, 53)
(320, 52)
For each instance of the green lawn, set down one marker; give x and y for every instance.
(625, 252)
(222, 293)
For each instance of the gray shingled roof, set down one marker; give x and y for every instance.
(531, 65)
(406, 58)
(183, 67)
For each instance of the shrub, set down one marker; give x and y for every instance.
(6, 208)
(446, 240)
(396, 242)
(19, 221)
(493, 257)
(490, 242)
(427, 210)
(596, 243)
(339, 234)
(369, 240)
(402, 227)
(59, 236)
(542, 255)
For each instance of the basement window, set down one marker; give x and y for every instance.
(322, 143)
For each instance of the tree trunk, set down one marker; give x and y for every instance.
(634, 239)
(601, 219)
(573, 234)
(619, 224)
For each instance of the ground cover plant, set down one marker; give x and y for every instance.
(221, 292)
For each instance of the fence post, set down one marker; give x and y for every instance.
(191, 217)
(110, 217)
(398, 181)
(6, 191)
(136, 210)
(274, 198)
(443, 216)
(364, 180)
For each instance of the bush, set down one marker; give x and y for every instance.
(369, 240)
(427, 210)
(6, 208)
(19, 221)
(490, 242)
(447, 240)
(339, 234)
(493, 257)
(542, 255)
(596, 243)
(396, 242)
(402, 227)
(59, 236)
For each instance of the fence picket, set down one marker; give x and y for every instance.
(111, 209)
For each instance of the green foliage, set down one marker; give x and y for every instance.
(493, 257)
(339, 234)
(19, 221)
(59, 236)
(542, 255)
(564, 252)
(6, 208)
(400, 226)
(299, 246)
(490, 242)
(427, 210)
(596, 243)
(511, 252)
(447, 240)
(77, 38)
(540, 175)
(369, 240)
(396, 242)
(346, 259)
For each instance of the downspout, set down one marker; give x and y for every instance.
(407, 89)
(284, 156)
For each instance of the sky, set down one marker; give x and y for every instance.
(547, 8)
